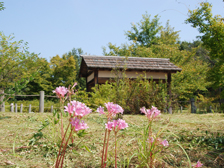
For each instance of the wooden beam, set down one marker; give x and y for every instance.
(169, 92)
(95, 76)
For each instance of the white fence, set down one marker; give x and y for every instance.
(14, 107)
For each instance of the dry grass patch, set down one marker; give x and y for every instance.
(199, 134)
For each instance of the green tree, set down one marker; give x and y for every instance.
(63, 71)
(187, 83)
(17, 65)
(146, 31)
(76, 54)
(42, 81)
(212, 30)
(2, 6)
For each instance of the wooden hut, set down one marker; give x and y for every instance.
(98, 69)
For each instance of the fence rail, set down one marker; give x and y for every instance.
(15, 108)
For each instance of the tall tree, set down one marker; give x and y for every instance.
(2, 6)
(212, 30)
(17, 64)
(43, 79)
(146, 31)
(63, 71)
(187, 83)
(76, 54)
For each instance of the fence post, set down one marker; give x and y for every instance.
(193, 108)
(2, 107)
(210, 109)
(16, 107)
(41, 104)
(11, 107)
(29, 108)
(52, 108)
(21, 108)
(181, 108)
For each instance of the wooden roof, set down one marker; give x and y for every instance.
(130, 63)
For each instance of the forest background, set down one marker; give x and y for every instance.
(202, 64)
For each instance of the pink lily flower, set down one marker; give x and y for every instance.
(77, 124)
(165, 143)
(60, 91)
(100, 110)
(199, 164)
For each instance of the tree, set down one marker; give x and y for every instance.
(76, 54)
(2, 6)
(185, 84)
(42, 81)
(212, 30)
(17, 65)
(145, 32)
(63, 71)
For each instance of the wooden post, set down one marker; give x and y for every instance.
(181, 108)
(16, 107)
(95, 76)
(11, 107)
(41, 104)
(52, 108)
(193, 108)
(21, 108)
(2, 107)
(29, 108)
(169, 92)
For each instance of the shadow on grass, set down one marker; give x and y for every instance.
(1, 118)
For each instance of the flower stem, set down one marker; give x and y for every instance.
(115, 150)
(105, 159)
(59, 153)
(105, 136)
(64, 150)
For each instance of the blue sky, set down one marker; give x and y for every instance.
(54, 27)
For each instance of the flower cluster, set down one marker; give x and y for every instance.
(116, 125)
(150, 113)
(159, 141)
(60, 91)
(77, 124)
(77, 109)
(112, 109)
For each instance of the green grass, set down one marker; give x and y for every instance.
(201, 135)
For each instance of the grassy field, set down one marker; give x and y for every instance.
(22, 145)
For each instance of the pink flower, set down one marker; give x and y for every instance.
(165, 143)
(113, 109)
(110, 125)
(60, 91)
(74, 85)
(151, 140)
(199, 164)
(77, 124)
(121, 124)
(116, 125)
(80, 109)
(69, 108)
(155, 111)
(100, 110)
(150, 113)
